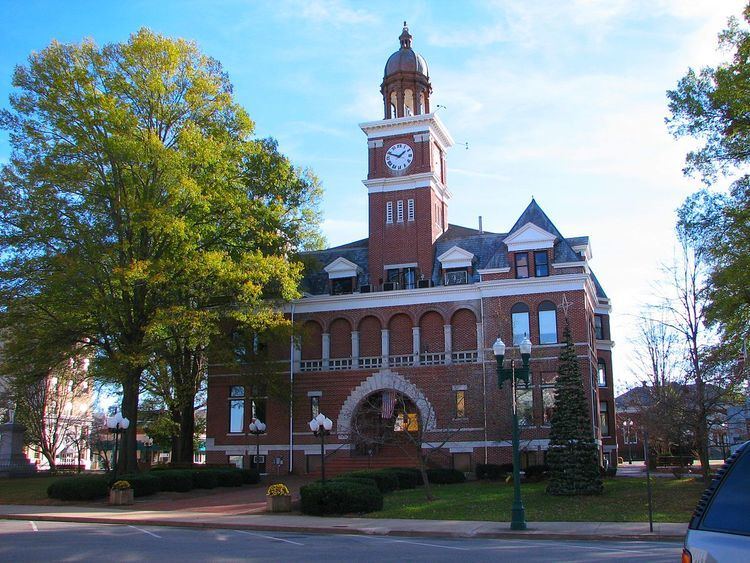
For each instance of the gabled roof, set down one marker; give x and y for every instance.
(533, 214)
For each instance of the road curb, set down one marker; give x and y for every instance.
(510, 534)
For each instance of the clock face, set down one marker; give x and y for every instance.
(399, 156)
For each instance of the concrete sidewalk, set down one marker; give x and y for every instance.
(340, 525)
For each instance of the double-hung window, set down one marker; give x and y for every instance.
(236, 408)
(541, 264)
(522, 264)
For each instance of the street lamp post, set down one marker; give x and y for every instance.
(518, 513)
(627, 429)
(321, 426)
(117, 424)
(256, 429)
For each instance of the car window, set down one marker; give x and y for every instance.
(728, 509)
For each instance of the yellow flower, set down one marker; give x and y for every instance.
(121, 485)
(277, 490)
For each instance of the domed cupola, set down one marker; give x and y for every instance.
(406, 85)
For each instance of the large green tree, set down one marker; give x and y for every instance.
(573, 455)
(712, 105)
(137, 205)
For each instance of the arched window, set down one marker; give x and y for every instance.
(547, 323)
(520, 321)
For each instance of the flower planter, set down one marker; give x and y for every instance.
(120, 496)
(279, 503)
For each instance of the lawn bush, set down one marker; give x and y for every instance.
(230, 477)
(536, 473)
(204, 478)
(355, 479)
(179, 480)
(250, 476)
(83, 487)
(340, 497)
(408, 477)
(143, 484)
(445, 476)
(385, 480)
(493, 471)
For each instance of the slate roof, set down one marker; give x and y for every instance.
(488, 249)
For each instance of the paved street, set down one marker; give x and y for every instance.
(62, 541)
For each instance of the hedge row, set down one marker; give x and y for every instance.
(340, 496)
(532, 473)
(82, 487)
(88, 487)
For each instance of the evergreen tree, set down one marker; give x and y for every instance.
(573, 457)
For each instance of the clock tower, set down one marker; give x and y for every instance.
(406, 178)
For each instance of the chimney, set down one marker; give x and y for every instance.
(480, 225)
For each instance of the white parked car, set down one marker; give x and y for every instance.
(719, 530)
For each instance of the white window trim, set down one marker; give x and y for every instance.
(389, 212)
(400, 211)
(410, 210)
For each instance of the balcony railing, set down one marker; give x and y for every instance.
(401, 360)
(432, 358)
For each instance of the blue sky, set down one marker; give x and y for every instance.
(563, 101)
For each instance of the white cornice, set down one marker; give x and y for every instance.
(342, 268)
(410, 124)
(455, 257)
(441, 294)
(529, 237)
(605, 344)
(408, 182)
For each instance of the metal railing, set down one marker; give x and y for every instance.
(401, 360)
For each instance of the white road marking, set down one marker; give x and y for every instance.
(268, 537)
(33, 526)
(432, 545)
(145, 531)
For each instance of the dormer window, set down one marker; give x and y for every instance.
(342, 286)
(522, 265)
(456, 276)
(456, 263)
(342, 275)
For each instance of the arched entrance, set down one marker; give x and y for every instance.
(385, 423)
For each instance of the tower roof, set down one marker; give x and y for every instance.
(405, 59)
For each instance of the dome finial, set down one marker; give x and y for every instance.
(405, 37)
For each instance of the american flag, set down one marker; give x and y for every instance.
(388, 402)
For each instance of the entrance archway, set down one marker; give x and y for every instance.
(385, 421)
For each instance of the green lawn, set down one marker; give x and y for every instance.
(27, 490)
(624, 500)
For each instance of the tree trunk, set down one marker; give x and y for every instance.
(128, 460)
(187, 432)
(425, 479)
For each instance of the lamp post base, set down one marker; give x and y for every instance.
(518, 518)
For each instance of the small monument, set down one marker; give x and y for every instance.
(12, 459)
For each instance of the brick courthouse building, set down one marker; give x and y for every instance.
(411, 312)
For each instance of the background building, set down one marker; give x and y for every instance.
(395, 330)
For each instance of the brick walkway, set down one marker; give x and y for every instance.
(231, 501)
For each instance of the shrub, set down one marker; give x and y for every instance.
(385, 480)
(408, 477)
(611, 471)
(204, 478)
(83, 487)
(355, 479)
(340, 497)
(180, 480)
(493, 471)
(445, 476)
(143, 484)
(250, 476)
(230, 477)
(536, 473)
